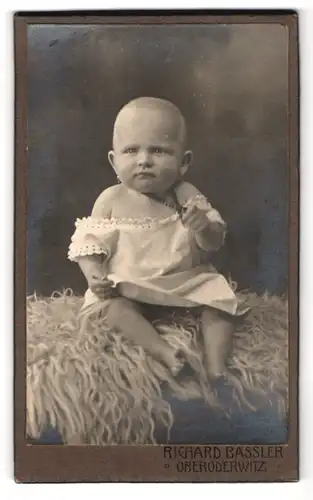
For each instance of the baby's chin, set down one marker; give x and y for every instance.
(147, 185)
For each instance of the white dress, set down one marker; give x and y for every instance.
(148, 253)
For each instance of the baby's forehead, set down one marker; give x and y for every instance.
(152, 114)
(153, 120)
(150, 119)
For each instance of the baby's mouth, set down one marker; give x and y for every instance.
(145, 175)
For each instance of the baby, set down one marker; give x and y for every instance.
(148, 238)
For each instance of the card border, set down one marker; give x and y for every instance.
(49, 463)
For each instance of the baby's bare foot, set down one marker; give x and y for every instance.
(178, 366)
(217, 371)
(174, 361)
(220, 378)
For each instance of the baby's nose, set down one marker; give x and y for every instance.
(144, 159)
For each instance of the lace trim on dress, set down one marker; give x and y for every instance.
(76, 250)
(200, 201)
(94, 225)
(116, 222)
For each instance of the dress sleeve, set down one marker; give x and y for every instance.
(93, 236)
(97, 234)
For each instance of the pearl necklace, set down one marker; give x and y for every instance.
(168, 203)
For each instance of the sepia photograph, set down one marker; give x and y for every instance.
(157, 239)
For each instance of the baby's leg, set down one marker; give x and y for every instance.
(217, 332)
(126, 317)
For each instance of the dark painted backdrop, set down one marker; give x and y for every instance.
(231, 83)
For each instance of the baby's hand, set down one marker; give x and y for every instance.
(101, 287)
(195, 218)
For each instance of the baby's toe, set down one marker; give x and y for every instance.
(179, 363)
(176, 369)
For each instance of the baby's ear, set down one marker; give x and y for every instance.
(187, 159)
(111, 158)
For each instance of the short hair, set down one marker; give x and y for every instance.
(156, 103)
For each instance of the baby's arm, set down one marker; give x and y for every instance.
(203, 219)
(94, 269)
(93, 265)
(212, 237)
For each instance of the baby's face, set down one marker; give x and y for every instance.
(148, 151)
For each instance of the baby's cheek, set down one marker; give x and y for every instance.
(170, 172)
(125, 170)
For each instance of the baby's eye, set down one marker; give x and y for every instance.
(158, 151)
(130, 151)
